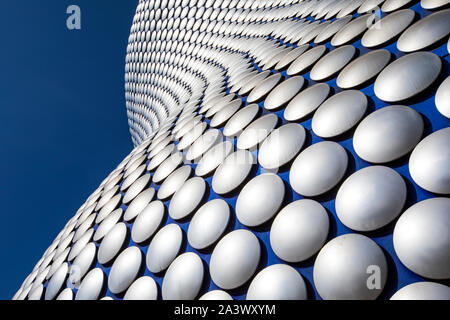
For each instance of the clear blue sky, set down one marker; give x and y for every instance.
(63, 119)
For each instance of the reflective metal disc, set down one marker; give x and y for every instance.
(253, 81)
(187, 198)
(339, 113)
(421, 239)
(160, 157)
(306, 102)
(369, 5)
(167, 167)
(213, 158)
(148, 221)
(91, 286)
(144, 288)
(191, 136)
(425, 32)
(56, 281)
(433, 4)
(350, 8)
(387, 28)
(112, 243)
(216, 295)
(203, 144)
(299, 230)
(124, 269)
(363, 68)
(260, 199)
(136, 188)
(352, 30)
(240, 120)
(318, 168)
(428, 164)
(164, 247)
(184, 278)
(108, 208)
(332, 62)
(133, 177)
(392, 5)
(83, 262)
(226, 113)
(423, 291)
(232, 172)
(306, 60)
(138, 204)
(277, 282)
(66, 294)
(107, 224)
(407, 76)
(36, 293)
(262, 88)
(291, 56)
(343, 265)
(106, 197)
(174, 182)
(281, 146)
(370, 198)
(257, 131)
(284, 92)
(388, 133)
(80, 244)
(331, 29)
(442, 98)
(208, 223)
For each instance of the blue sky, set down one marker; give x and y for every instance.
(63, 119)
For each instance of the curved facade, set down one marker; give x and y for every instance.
(284, 150)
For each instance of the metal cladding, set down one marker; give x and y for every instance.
(284, 149)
